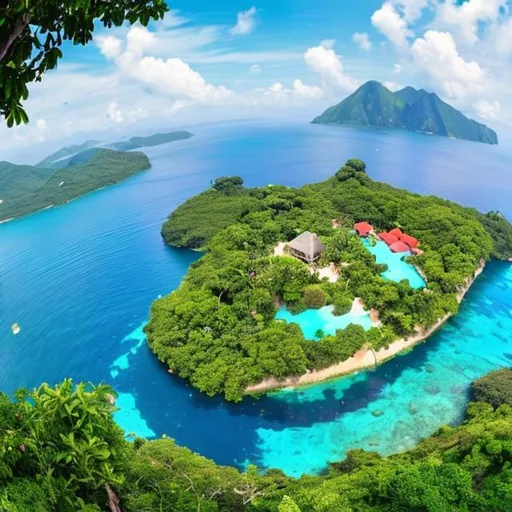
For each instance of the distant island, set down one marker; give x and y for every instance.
(152, 140)
(373, 105)
(301, 285)
(63, 156)
(25, 189)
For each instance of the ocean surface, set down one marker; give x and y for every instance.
(80, 279)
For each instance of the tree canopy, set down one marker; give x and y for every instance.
(494, 388)
(32, 33)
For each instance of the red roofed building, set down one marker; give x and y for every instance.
(388, 238)
(400, 247)
(363, 228)
(396, 232)
(409, 240)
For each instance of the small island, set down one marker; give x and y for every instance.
(26, 189)
(373, 105)
(300, 285)
(68, 155)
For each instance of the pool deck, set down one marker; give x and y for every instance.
(362, 359)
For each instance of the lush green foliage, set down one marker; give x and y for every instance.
(494, 388)
(26, 189)
(218, 328)
(32, 33)
(61, 451)
(418, 111)
(59, 448)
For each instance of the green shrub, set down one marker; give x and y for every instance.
(494, 388)
(314, 297)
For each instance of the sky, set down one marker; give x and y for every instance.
(286, 59)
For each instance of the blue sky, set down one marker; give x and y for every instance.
(280, 58)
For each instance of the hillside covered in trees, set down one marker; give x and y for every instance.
(417, 111)
(61, 451)
(218, 328)
(25, 189)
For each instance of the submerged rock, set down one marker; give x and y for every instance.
(377, 413)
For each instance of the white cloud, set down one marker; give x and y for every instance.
(114, 114)
(324, 61)
(299, 93)
(411, 9)
(255, 69)
(488, 110)
(171, 77)
(307, 91)
(139, 39)
(397, 68)
(464, 19)
(502, 37)
(392, 86)
(389, 22)
(363, 40)
(109, 46)
(436, 55)
(245, 23)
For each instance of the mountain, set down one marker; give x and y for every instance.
(25, 189)
(66, 152)
(65, 156)
(410, 109)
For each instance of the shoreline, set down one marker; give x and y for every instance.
(364, 358)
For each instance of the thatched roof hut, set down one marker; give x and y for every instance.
(306, 247)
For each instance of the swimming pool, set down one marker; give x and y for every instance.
(398, 269)
(311, 320)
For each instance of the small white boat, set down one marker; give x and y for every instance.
(15, 328)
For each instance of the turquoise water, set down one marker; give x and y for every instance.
(398, 269)
(80, 280)
(311, 320)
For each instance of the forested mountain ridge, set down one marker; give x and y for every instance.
(25, 189)
(414, 110)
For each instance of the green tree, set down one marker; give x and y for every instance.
(66, 435)
(288, 505)
(494, 388)
(32, 33)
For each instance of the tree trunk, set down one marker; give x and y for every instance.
(20, 25)
(113, 500)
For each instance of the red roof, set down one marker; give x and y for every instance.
(363, 228)
(388, 238)
(400, 247)
(409, 240)
(396, 232)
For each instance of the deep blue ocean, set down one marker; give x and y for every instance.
(80, 279)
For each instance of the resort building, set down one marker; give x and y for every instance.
(307, 247)
(400, 242)
(363, 228)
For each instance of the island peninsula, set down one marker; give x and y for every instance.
(376, 268)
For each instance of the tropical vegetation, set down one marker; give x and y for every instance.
(494, 388)
(218, 329)
(32, 34)
(419, 111)
(25, 189)
(61, 451)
